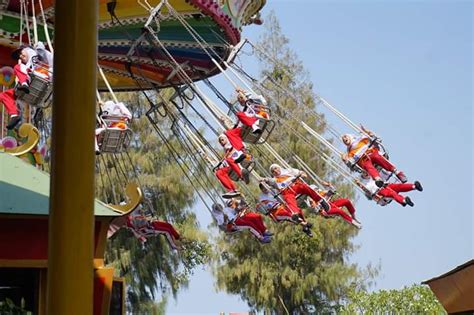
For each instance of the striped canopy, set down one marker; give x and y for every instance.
(219, 23)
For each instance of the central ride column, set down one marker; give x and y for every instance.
(71, 219)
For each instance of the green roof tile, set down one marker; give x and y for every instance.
(25, 190)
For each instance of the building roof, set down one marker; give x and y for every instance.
(25, 190)
(455, 289)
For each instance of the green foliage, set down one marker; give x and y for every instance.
(7, 307)
(292, 271)
(153, 308)
(293, 274)
(417, 299)
(152, 269)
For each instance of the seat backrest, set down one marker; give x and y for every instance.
(114, 140)
(248, 136)
(258, 138)
(40, 91)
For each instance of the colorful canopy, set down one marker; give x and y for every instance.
(218, 22)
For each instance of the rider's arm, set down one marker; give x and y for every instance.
(270, 181)
(241, 93)
(326, 184)
(292, 171)
(124, 110)
(331, 190)
(212, 162)
(367, 131)
(222, 163)
(358, 183)
(240, 90)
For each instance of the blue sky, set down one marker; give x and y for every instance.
(404, 70)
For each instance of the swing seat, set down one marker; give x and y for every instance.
(354, 166)
(231, 232)
(134, 195)
(40, 90)
(387, 177)
(261, 208)
(265, 209)
(155, 112)
(384, 201)
(329, 216)
(149, 232)
(139, 222)
(114, 140)
(248, 164)
(230, 228)
(266, 125)
(382, 150)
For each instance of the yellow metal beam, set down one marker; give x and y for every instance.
(71, 220)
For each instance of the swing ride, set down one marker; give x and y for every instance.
(145, 46)
(173, 43)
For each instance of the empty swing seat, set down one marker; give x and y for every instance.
(40, 91)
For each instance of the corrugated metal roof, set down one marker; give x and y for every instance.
(25, 190)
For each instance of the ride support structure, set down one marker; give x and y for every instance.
(71, 220)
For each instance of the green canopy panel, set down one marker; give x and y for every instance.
(25, 190)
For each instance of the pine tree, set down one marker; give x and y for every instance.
(293, 274)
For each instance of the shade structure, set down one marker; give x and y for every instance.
(218, 22)
(24, 190)
(455, 289)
